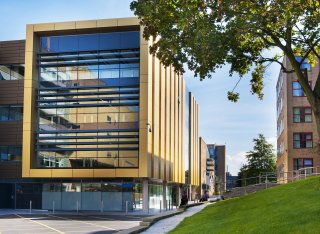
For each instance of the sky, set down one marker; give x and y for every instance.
(221, 121)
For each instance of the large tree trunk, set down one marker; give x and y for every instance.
(316, 112)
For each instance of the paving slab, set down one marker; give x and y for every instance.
(166, 225)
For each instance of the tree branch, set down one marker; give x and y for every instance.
(316, 89)
(284, 69)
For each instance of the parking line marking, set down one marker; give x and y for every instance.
(56, 230)
(83, 222)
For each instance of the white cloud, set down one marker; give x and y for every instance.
(234, 162)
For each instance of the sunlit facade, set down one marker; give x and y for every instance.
(105, 126)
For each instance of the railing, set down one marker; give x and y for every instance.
(269, 179)
(302, 173)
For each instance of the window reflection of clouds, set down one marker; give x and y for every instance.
(110, 106)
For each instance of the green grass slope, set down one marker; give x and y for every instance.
(289, 208)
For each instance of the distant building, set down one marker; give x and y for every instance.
(218, 153)
(231, 181)
(296, 127)
(207, 174)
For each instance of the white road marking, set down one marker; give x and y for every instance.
(56, 230)
(96, 225)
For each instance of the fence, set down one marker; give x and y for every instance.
(270, 179)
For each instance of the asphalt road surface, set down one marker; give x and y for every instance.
(63, 223)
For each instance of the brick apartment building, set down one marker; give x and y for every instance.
(296, 128)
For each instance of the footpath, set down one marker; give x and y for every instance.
(166, 225)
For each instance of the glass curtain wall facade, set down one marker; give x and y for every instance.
(88, 101)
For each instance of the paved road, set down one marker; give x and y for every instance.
(166, 225)
(65, 223)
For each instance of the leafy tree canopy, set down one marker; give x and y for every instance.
(207, 34)
(260, 159)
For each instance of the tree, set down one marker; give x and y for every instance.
(260, 160)
(207, 34)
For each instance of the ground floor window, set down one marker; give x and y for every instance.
(299, 163)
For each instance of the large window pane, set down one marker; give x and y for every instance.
(88, 42)
(4, 73)
(4, 113)
(17, 72)
(91, 187)
(88, 86)
(71, 187)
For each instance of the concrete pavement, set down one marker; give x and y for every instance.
(166, 225)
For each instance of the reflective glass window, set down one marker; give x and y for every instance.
(4, 113)
(49, 44)
(4, 73)
(51, 187)
(130, 40)
(91, 187)
(88, 42)
(111, 187)
(109, 41)
(71, 187)
(11, 72)
(68, 43)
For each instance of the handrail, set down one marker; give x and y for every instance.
(278, 177)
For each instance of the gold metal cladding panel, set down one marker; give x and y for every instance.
(172, 112)
(167, 120)
(162, 127)
(84, 173)
(62, 173)
(107, 23)
(178, 127)
(184, 141)
(30, 82)
(65, 25)
(103, 173)
(86, 24)
(145, 110)
(176, 134)
(171, 118)
(156, 110)
(40, 173)
(190, 138)
(181, 125)
(127, 172)
(198, 145)
(196, 159)
(192, 141)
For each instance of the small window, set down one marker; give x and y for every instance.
(302, 115)
(299, 163)
(297, 89)
(302, 140)
(304, 64)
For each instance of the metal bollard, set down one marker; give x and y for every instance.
(53, 207)
(166, 205)
(101, 208)
(169, 205)
(30, 206)
(127, 207)
(160, 206)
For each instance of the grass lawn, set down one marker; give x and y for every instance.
(289, 208)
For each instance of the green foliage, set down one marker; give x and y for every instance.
(261, 159)
(209, 34)
(290, 208)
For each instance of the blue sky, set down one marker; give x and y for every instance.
(221, 122)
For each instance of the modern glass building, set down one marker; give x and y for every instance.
(104, 122)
